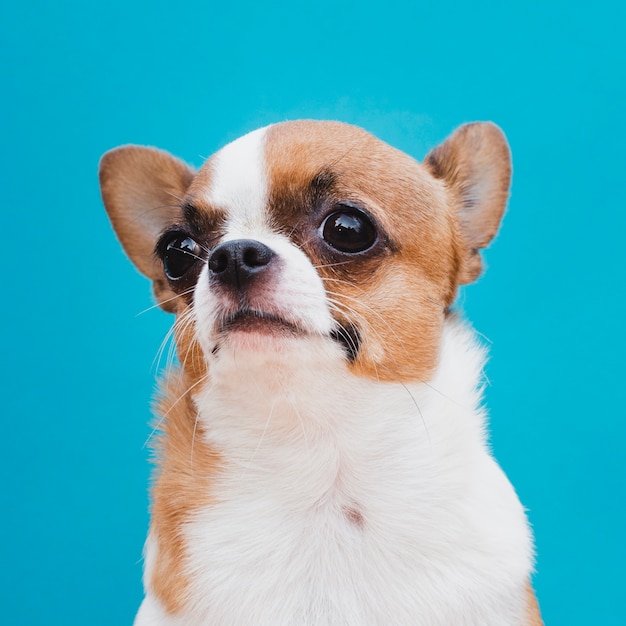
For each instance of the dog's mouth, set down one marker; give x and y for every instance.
(254, 321)
(257, 322)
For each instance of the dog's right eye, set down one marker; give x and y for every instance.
(180, 255)
(348, 230)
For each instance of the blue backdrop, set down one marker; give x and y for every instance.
(78, 78)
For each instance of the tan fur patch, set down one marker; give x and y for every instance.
(533, 615)
(186, 468)
(398, 297)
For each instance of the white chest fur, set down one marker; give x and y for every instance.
(344, 501)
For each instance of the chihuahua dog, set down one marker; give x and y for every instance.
(323, 456)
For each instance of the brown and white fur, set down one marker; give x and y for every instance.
(323, 456)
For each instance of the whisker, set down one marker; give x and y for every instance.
(179, 324)
(158, 304)
(299, 415)
(331, 265)
(157, 427)
(193, 440)
(248, 464)
(159, 355)
(420, 414)
(348, 312)
(179, 199)
(341, 281)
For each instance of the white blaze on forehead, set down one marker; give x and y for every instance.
(239, 181)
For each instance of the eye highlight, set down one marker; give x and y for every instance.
(179, 255)
(348, 230)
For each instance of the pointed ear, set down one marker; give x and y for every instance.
(142, 189)
(475, 164)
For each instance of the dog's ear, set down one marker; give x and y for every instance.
(475, 164)
(142, 189)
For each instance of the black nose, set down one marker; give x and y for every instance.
(236, 262)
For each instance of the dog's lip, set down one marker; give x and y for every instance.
(253, 320)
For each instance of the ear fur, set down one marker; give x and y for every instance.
(142, 189)
(475, 165)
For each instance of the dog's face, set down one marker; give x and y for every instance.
(311, 232)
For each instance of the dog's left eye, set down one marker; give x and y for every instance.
(180, 254)
(348, 230)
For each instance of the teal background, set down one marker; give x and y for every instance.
(78, 78)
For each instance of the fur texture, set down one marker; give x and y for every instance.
(323, 457)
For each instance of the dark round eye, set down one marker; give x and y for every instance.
(348, 230)
(181, 253)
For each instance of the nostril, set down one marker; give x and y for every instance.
(256, 254)
(218, 262)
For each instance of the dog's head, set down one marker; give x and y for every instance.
(311, 231)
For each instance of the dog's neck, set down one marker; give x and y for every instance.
(313, 428)
(375, 471)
